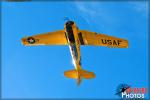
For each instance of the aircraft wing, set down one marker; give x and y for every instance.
(50, 38)
(92, 38)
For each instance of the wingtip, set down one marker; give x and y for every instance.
(23, 41)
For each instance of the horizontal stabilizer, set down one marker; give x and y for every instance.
(81, 73)
(71, 74)
(87, 74)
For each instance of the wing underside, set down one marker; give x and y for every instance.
(50, 38)
(92, 38)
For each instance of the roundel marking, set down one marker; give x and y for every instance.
(31, 40)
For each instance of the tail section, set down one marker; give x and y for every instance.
(79, 74)
(71, 74)
(86, 74)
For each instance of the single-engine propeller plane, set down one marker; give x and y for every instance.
(74, 37)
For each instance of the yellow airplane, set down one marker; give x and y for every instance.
(73, 37)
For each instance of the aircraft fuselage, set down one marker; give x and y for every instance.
(71, 32)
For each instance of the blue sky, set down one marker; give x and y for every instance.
(37, 71)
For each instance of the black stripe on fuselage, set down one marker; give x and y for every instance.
(66, 36)
(81, 38)
(71, 39)
(69, 33)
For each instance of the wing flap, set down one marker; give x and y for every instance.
(92, 38)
